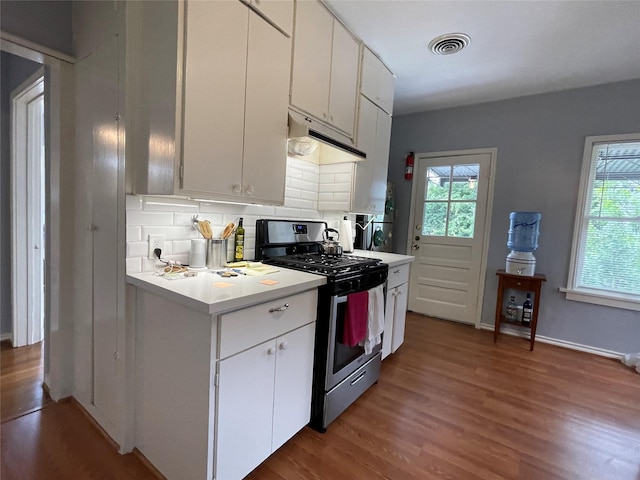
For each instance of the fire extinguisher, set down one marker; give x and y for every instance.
(408, 169)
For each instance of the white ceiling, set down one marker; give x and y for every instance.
(517, 47)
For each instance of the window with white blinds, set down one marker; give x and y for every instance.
(606, 251)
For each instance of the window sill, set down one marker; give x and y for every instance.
(591, 296)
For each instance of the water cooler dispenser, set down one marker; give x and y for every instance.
(524, 229)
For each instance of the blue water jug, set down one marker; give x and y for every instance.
(524, 229)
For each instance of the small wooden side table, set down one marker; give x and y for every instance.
(518, 282)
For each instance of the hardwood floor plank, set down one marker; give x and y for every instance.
(21, 374)
(450, 404)
(58, 442)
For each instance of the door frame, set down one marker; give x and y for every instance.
(59, 159)
(26, 329)
(493, 154)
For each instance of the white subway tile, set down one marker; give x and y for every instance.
(170, 204)
(134, 265)
(337, 187)
(336, 168)
(133, 202)
(171, 233)
(334, 206)
(134, 233)
(303, 185)
(343, 177)
(180, 246)
(137, 249)
(341, 197)
(149, 218)
(293, 172)
(310, 176)
(326, 178)
(325, 196)
(313, 196)
(304, 165)
(291, 193)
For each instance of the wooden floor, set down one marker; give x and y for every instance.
(450, 404)
(21, 373)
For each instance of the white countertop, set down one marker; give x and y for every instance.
(391, 259)
(204, 293)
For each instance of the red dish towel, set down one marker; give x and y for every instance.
(355, 321)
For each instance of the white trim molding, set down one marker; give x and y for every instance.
(573, 291)
(507, 330)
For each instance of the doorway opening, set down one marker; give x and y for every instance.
(23, 236)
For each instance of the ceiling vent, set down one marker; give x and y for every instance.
(449, 43)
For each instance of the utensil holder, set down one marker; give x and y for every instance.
(216, 253)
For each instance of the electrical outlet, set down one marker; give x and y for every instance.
(155, 241)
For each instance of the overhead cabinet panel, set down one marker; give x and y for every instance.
(279, 12)
(311, 73)
(344, 79)
(214, 95)
(267, 102)
(325, 67)
(377, 81)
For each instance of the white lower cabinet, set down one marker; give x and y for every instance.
(395, 309)
(217, 394)
(264, 392)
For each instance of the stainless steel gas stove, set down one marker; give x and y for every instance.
(341, 372)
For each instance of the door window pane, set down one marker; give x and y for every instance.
(435, 219)
(450, 200)
(438, 179)
(461, 219)
(465, 180)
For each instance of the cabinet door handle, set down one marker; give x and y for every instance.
(236, 188)
(284, 345)
(396, 271)
(279, 309)
(271, 351)
(249, 190)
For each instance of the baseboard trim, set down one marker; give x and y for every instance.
(6, 336)
(148, 464)
(507, 330)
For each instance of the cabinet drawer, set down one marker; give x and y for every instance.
(398, 275)
(245, 328)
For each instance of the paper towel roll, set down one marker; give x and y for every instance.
(346, 235)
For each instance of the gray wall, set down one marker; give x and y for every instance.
(540, 142)
(46, 23)
(14, 71)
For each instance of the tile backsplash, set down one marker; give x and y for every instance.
(172, 217)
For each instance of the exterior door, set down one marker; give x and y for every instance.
(447, 235)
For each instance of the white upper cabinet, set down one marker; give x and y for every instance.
(279, 12)
(325, 67)
(374, 135)
(235, 103)
(214, 97)
(377, 81)
(211, 120)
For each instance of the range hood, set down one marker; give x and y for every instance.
(305, 134)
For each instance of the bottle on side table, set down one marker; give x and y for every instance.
(527, 311)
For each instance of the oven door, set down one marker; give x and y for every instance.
(342, 360)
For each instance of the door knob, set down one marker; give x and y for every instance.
(284, 345)
(417, 227)
(236, 188)
(415, 247)
(417, 238)
(271, 351)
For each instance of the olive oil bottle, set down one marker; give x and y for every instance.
(238, 249)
